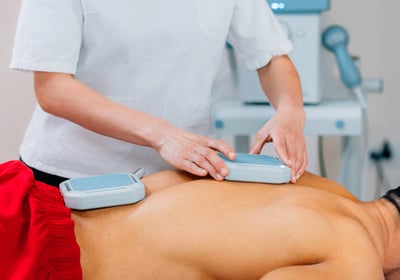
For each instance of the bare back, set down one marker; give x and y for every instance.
(205, 229)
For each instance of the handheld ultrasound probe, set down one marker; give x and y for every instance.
(336, 39)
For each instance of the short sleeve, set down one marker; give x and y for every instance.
(255, 33)
(48, 36)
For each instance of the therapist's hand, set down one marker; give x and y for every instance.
(194, 153)
(281, 84)
(285, 130)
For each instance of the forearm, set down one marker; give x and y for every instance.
(63, 96)
(281, 83)
(66, 97)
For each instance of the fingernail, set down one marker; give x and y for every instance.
(219, 177)
(223, 172)
(297, 177)
(231, 155)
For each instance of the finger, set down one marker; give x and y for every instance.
(299, 156)
(219, 169)
(206, 158)
(295, 172)
(301, 170)
(303, 164)
(295, 155)
(193, 168)
(216, 161)
(222, 147)
(259, 142)
(288, 156)
(257, 147)
(283, 153)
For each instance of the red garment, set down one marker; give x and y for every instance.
(37, 239)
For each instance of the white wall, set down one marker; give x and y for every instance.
(16, 93)
(373, 36)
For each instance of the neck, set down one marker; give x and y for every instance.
(387, 218)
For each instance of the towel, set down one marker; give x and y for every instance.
(36, 230)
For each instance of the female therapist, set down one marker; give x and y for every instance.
(126, 84)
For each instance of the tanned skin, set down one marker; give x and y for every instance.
(190, 228)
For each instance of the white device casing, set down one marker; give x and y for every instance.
(304, 32)
(102, 191)
(257, 168)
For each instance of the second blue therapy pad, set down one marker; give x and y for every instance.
(257, 168)
(102, 191)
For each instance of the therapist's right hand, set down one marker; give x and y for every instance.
(62, 95)
(194, 153)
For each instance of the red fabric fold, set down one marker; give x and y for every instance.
(36, 229)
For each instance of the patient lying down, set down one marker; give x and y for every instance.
(203, 229)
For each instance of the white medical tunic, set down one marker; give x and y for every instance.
(155, 56)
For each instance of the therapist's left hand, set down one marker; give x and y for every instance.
(286, 130)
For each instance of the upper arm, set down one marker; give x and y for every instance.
(309, 272)
(48, 85)
(329, 270)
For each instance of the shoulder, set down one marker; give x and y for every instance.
(315, 181)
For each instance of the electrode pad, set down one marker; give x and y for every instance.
(102, 191)
(257, 168)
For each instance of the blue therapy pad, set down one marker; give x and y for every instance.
(102, 191)
(257, 168)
